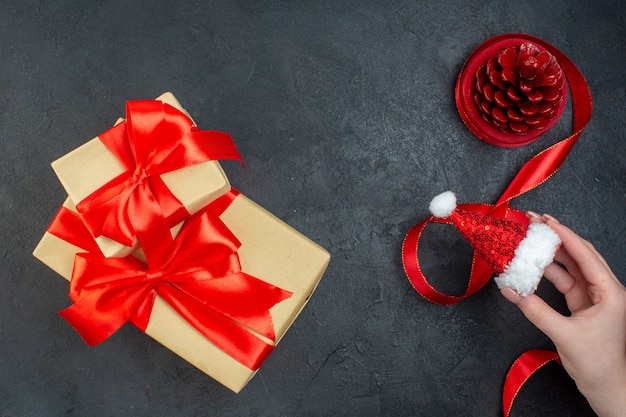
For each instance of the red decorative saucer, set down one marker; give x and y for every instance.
(511, 90)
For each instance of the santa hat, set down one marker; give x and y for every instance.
(517, 253)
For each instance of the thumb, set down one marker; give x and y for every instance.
(538, 312)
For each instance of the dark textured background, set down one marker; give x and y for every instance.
(344, 114)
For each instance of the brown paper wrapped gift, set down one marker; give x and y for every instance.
(92, 165)
(271, 250)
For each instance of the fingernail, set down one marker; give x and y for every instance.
(533, 214)
(547, 216)
(511, 295)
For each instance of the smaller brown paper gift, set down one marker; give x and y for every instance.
(92, 165)
(270, 250)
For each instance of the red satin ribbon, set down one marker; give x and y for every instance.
(200, 278)
(68, 225)
(154, 139)
(535, 172)
(522, 369)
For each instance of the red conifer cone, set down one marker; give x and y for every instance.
(520, 89)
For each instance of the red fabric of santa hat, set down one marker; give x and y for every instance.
(517, 253)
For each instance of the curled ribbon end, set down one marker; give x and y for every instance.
(83, 327)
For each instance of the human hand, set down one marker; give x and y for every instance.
(592, 340)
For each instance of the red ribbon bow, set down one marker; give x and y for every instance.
(534, 173)
(154, 139)
(201, 279)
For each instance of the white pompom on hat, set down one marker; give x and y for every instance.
(518, 253)
(443, 205)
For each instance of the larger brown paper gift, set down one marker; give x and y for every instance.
(92, 165)
(270, 250)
